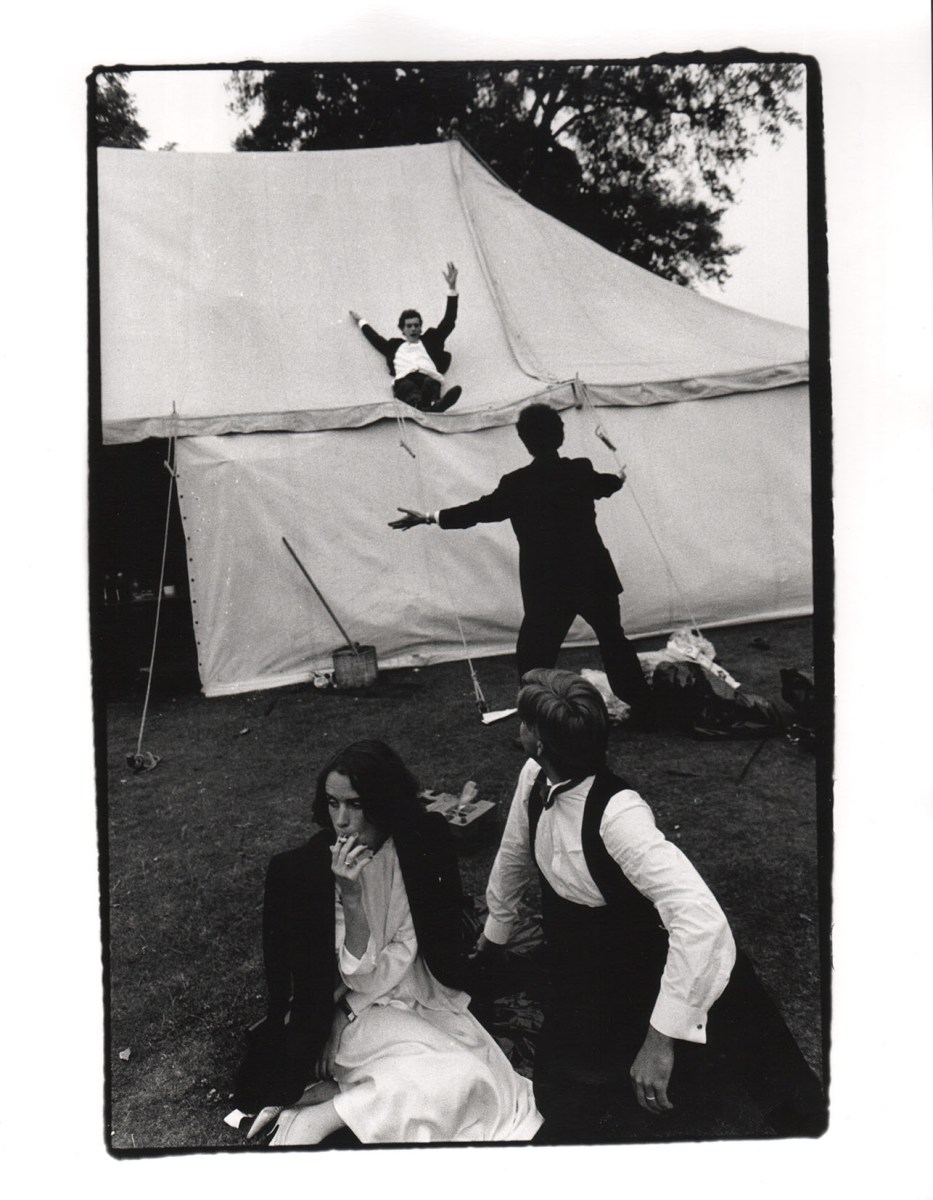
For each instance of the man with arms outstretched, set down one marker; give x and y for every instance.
(564, 568)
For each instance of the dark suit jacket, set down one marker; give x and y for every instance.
(550, 503)
(298, 951)
(433, 339)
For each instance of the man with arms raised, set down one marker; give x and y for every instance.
(418, 359)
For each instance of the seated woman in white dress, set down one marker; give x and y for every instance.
(367, 1027)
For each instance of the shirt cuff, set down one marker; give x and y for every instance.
(349, 997)
(351, 965)
(452, 292)
(497, 931)
(679, 1020)
(361, 321)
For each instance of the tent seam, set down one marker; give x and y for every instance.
(538, 371)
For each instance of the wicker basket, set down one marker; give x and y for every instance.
(355, 668)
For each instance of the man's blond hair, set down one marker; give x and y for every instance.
(568, 716)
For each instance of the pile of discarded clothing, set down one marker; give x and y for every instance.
(694, 694)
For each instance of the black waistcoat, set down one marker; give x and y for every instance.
(610, 958)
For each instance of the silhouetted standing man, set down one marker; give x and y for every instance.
(565, 570)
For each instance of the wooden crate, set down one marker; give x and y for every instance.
(466, 814)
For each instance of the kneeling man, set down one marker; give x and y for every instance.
(639, 948)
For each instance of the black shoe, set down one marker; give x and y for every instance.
(448, 400)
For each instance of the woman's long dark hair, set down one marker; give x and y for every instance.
(389, 798)
(387, 789)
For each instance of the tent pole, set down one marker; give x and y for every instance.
(587, 404)
(353, 646)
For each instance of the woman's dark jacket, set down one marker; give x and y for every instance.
(298, 938)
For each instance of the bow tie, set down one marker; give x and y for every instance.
(547, 801)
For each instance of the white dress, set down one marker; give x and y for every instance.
(415, 1065)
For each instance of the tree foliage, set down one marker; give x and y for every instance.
(115, 113)
(641, 157)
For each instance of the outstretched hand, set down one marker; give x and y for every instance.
(451, 276)
(354, 315)
(410, 519)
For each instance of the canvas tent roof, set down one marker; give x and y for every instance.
(226, 281)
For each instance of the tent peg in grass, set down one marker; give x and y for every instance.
(485, 715)
(142, 761)
(478, 696)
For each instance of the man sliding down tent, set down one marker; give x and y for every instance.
(564, 568)
(418, 360)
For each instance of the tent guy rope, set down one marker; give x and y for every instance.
(145, 760)
(582, 391)
(478, 695)
(402, 431)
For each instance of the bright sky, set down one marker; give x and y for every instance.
(769, 221)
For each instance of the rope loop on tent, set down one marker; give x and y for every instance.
(400, 422)
(582, 391)
(604, 438)
(146, 761)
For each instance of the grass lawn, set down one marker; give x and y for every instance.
(187, 844)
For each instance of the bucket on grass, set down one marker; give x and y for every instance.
(355, 668)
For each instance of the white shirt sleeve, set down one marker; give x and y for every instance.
(379, 970)
(701, 950)
(514, 867)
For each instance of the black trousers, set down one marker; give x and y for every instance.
(418, 390)
(546, 624)
(596, 1018)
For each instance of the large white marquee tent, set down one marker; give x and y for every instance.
(226, 281)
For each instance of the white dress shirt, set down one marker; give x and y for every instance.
(412, 356)
(701, 949)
